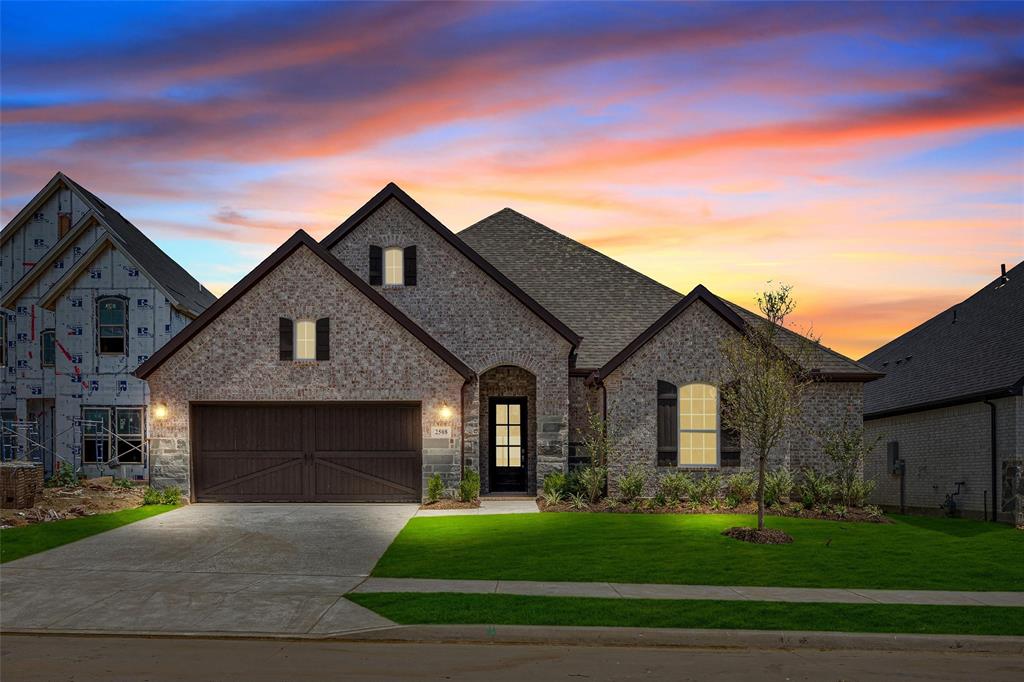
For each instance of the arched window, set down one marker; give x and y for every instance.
(698, 425)
(112, 325)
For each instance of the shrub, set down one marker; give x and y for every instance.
(659, 499)
(706, 488)
(594, 479)
(816, 489)
(778, 486)
(631, 484)
(172, 495)
(846, 448)
(873, 511)
(122, 483)
(469, 486)
(555, 484)
(741, 487)
(435, 488)
(552, 497)
(675, 486)
(573, 484)
(64, 477)
(152, 496)
(578, 501)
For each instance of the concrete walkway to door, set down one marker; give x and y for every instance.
(253, 568)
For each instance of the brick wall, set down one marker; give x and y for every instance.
(942, 447)
(478, 320)
(689, 350)
(235, 358)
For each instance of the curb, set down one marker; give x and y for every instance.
(694, 639)
(602, 636)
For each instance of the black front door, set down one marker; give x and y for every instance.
(508, 429)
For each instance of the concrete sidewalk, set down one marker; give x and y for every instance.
(640, 591)
(523, 506)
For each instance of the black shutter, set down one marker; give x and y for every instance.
(323, 338)
(376, 265)
(287, 338)
(409, 265)
(668, 424)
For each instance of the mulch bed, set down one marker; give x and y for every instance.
(766, 536)
(793, 510)
(451, 504)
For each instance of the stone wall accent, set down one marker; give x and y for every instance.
(689, 350)
(235, 358)
(942, 447)
(474, 317)
(511, 382)
(583, 400)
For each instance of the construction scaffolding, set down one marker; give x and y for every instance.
(20, 441)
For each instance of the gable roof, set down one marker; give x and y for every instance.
(611, 304)
(299, 239)
(971, 351)
(12, 226)
(43, 264)
(699, 293)
(393, 191)
(185, 293)
(191, 296)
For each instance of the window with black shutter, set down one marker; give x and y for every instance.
(376, 265)
(409, 265)
(323, 338)
(287, 337)
(668, 420)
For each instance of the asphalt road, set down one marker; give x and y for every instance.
(54, 658)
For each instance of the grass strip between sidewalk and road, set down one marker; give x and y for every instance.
(22, 541)
(448, 608)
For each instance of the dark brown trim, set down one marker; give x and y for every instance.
(700, 293)
(581, 371)
(839, 377)
(297, 240)
(979, 397)
(393, 191)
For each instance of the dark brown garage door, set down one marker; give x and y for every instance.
(307, 452)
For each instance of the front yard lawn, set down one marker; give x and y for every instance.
(24, 540)
(911, 553)
(508, 609)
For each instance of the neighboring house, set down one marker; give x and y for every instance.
(950, 407)
(354, 368)
(86, 298)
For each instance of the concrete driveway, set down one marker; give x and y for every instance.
(252, 568)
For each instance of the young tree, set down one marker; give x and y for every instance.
(763, 395)
(847, 448)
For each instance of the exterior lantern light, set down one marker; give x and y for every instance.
(160, 411)
(445, 412)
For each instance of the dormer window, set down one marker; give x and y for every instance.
(393, 270)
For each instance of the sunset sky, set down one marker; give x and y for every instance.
(871, 155)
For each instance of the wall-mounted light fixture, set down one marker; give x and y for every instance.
(160, 411)
(444, 411)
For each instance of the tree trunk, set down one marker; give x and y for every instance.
(760, 491)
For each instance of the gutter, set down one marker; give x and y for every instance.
(982, 396)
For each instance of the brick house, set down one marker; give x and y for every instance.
(357, 367)
(950, 407)
(85, 297)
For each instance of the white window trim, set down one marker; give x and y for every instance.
(297, 350)
(718, 428)
(399, 269)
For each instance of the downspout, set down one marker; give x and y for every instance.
(992, 448)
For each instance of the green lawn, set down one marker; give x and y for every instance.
(508, 609)
(912, 553)
(22, 541)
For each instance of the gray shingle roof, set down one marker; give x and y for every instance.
(608, 303)
(169, 275)
(942, 361)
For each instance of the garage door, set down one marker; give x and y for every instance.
(324, 452)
